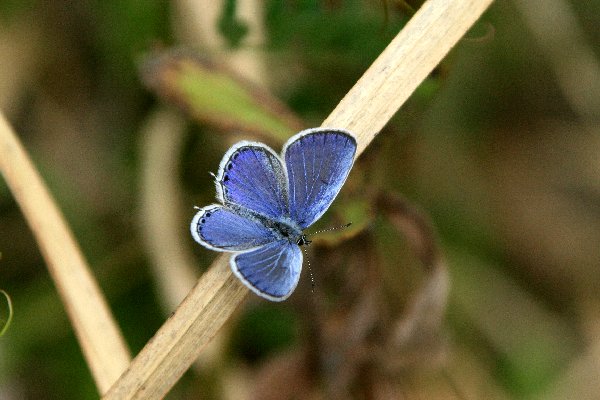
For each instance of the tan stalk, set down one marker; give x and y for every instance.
(392, 78)
(99, 336)
(554, 25)
(171, 262)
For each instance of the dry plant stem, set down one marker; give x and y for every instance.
(403, 65)
(6, 322)
(103, 346)
(425, 311)
(197, 23)
(554, 25)
(181, 339)
(172, 263)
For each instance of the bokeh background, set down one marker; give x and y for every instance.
(499, 149)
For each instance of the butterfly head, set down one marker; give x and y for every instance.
(303, 240)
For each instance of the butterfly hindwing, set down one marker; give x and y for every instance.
(318, 162)
(251, 175)
(219, 228)
(271, 271)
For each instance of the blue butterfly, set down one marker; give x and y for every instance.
(267, 201)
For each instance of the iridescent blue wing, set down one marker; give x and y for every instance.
(271, 271)
(318, 162)
(251, 175)
(222, 229)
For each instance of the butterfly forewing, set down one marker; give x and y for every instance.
(251, 175)
(318, 162)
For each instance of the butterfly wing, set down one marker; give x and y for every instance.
(251, 175)
(271, 271)
(222, 229)
(318, 162)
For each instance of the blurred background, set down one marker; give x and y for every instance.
(126, 106)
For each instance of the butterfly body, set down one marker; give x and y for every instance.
(284, 228)
(267, 201)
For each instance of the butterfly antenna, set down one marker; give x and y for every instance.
(312, 279)
(332, 229)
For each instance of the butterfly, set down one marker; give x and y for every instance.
(267, 200)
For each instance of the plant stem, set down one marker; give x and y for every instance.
(98, 334)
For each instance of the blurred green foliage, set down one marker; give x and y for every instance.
(333, 45)
(453, 148)
(124, 30)
(263, 331)
(10, 9)
(230, 26)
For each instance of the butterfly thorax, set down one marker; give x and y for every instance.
(283, 228)
(287, 230)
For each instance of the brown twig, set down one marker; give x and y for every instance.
(414, 224)
(553, 24)
(422, 320)
(100, 338)
(403, 65)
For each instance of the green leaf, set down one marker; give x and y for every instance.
(355, 210)
(211, 94)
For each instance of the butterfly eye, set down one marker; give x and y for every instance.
(235, 155)
(202, 220)
(207, 214)
(225, 178)
(303, 241)
(229, 166)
